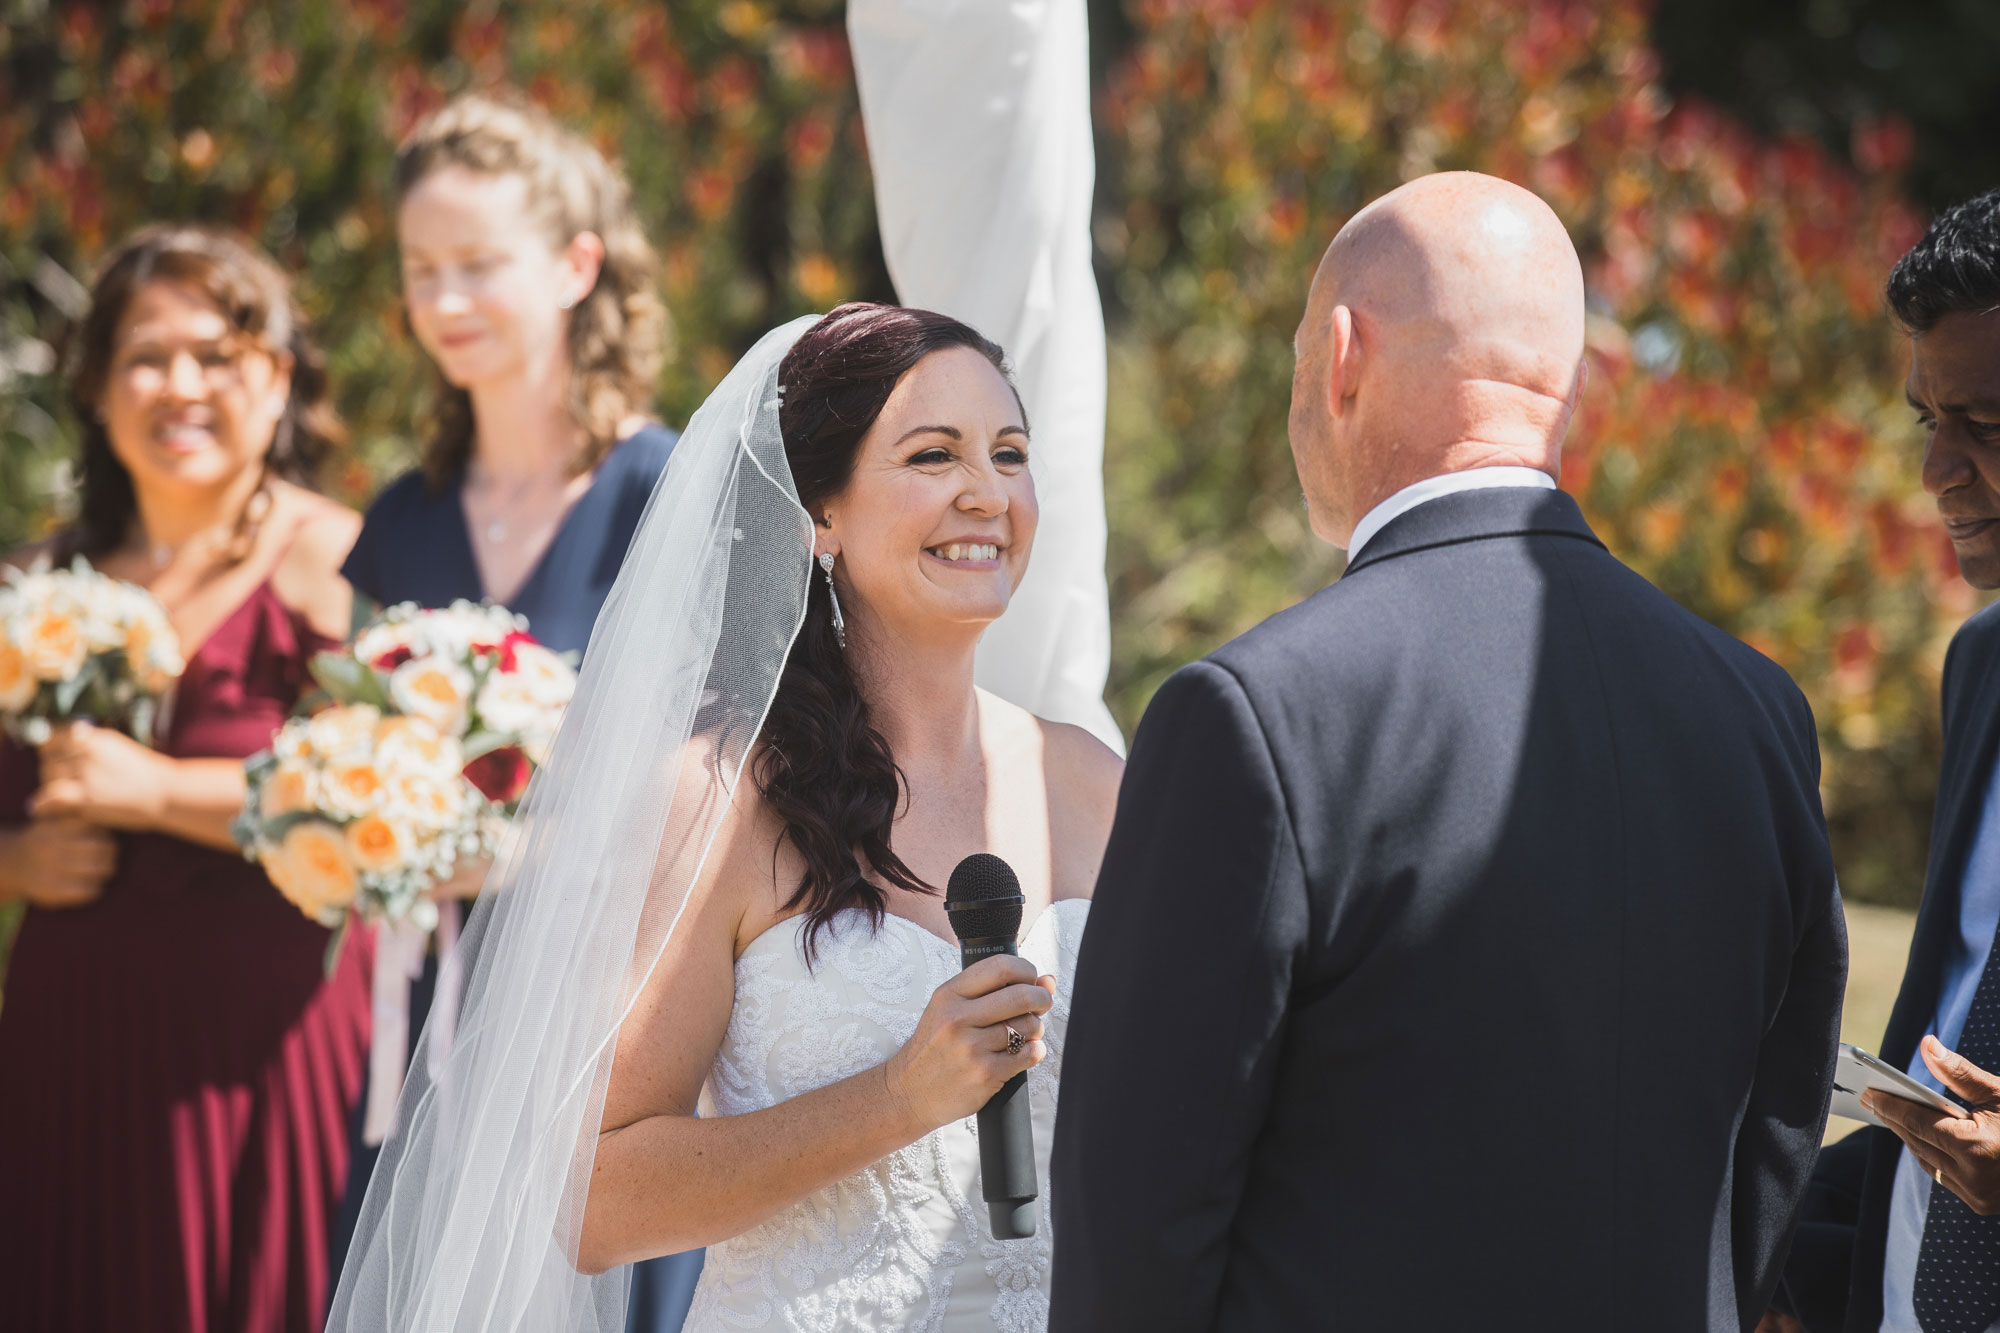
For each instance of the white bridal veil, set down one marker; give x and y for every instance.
(475, 1207)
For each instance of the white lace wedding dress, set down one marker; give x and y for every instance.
(904, 1244)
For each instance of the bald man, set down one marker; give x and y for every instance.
(1467, 953)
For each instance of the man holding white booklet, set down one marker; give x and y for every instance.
(1901, 1230)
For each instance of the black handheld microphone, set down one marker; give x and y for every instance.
(983, 899)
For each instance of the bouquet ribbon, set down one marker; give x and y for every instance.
(399, 960)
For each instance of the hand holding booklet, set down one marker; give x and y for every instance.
(1857, 1072)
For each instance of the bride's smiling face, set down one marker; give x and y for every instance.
(938, 515)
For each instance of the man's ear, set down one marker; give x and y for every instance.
(1344, 357)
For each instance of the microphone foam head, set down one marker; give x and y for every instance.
(983, 899)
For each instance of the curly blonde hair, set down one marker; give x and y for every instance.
(618, 332)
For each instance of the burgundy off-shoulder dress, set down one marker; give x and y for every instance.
(176, 1071)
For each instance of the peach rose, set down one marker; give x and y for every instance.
(354, 786)
(434, 689)
(17, 682)
(314, 870)
(151, 647)
(338, 731)
(138, 644)
(402, 740)
(375, 843)
(429, 801)
(52, 640)
(288, 789)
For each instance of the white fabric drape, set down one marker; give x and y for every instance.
(978, 121)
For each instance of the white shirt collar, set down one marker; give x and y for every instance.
(1451, 483)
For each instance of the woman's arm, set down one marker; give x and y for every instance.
(664, 1180)
(102, 776)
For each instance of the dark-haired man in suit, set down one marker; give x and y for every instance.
(1497, 881)
(1901, 1232)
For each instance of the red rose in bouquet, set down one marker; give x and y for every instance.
(501, 775)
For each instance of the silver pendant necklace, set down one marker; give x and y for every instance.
(495, 530)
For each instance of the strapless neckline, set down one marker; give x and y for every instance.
(797, 922)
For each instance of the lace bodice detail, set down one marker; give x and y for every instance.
(904, 1244)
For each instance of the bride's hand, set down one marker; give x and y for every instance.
(958, 1057)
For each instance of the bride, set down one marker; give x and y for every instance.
(724, 892)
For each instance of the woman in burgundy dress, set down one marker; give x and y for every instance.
(176, 1071)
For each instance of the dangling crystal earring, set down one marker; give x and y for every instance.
(839, 625)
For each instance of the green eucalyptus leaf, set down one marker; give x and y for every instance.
(348, 680)
(334, 944)
(482, 742)
(70, 690)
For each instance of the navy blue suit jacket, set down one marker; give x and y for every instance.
(1834, 1281)
(1467, 954)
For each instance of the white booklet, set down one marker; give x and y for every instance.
(1857, 1071)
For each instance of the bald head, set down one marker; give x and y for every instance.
(1444, 331)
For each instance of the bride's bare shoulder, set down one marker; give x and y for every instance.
(1080, 766)
(1076, 765)
(1081, 775)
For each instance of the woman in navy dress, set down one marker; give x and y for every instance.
(529, 282)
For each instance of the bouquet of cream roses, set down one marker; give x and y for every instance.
(437, 720)
(472, 671)
(75, 643)
(352, 807)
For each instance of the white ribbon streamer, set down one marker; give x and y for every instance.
(399, 960)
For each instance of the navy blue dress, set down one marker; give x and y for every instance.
(414, 547)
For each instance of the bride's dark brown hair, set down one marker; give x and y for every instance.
(820, 763)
